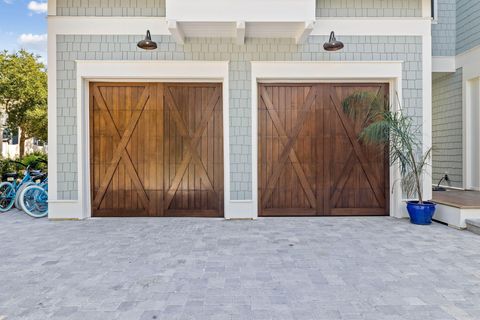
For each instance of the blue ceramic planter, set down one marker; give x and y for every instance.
(421, 213)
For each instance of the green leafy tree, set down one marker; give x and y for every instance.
(23, 95)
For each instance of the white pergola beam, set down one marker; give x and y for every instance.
(176, 31)
(305, 32)
(241, 32)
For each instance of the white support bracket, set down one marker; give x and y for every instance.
(305, 32)
(176, 31)
(240, 32)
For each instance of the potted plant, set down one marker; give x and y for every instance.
(396, 130)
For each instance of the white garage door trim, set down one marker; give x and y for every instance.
(325, 71)
(131, 71)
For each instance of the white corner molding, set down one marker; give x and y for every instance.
(443, 64)
(324, 71)
(131, 71)
(427, 109)
(176, 31)
(304, 32)
(52, 111)
(240, 32)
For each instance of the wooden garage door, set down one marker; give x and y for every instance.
(311, 161)
(156, 149)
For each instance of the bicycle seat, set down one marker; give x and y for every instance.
(39, 178)
(35, 173)
(11, 175)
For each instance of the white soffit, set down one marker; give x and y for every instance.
(240, 30)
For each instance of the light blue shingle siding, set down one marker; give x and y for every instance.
(358, 48)
(447, 126)
(369, 8)
(145, 8)
(444, 31)
(468, 24)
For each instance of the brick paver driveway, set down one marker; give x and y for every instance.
(277, 268)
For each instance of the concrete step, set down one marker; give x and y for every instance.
(473, 225)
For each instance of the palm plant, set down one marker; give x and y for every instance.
(394, 129)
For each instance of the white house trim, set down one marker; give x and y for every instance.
(470, 62)
(161, 71)
(176, 31)
(427, 122)
(443, 64)
(326, 71)
(52, 110)
(305, 32)
(240, 32)
(159, 26)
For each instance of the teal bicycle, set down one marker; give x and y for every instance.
(10, 189)
(34, 198)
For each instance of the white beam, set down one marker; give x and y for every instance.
(443, 64)
(240, 32)
(159, 26)
(305, 32)
(176, 32)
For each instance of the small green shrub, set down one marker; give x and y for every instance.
(35, 160)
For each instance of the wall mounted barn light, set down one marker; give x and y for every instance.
(147, 43)
(333, 44)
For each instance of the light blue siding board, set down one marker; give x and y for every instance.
(369, 8)
(104, 8)
(468, 25)
(447, 127)
(444, 31)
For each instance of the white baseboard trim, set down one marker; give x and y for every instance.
(65, 210)
(240, 210)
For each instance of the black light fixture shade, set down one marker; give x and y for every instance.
(333, 44)
(147, 43)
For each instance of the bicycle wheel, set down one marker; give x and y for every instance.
(19, 191)
(34, 201)
(7, 196)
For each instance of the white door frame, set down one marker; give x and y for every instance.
(470, 62)
(326, 71)
(135, 71)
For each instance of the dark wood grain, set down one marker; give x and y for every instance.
(156, 149)
(310, 159)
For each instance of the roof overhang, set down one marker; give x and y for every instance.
(240, 30)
